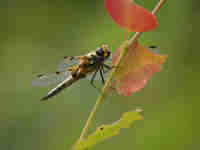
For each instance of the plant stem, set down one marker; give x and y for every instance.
(155, 10)
(100, 98)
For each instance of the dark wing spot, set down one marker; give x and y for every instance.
(40, 75)
(101, 128)
(152, 46)
(57, 72)
(71, 58)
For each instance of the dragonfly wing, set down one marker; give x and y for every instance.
(67, 62)
(51, 78)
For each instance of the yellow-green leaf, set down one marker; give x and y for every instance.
(104, 132)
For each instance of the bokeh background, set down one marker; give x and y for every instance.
(36, 35)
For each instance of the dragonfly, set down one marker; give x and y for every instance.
(74, 68)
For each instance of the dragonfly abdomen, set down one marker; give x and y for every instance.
(66, 83)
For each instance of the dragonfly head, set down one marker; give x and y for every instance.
(103, 51)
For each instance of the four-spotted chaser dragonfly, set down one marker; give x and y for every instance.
(75, 68)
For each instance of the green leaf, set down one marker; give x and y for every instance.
(104, 132)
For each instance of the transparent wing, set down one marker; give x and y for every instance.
(67, 62)
(50, 78)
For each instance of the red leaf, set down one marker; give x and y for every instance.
(136, 68)
(133, 82)
(131, 16)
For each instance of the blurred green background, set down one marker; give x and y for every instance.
(36, 35)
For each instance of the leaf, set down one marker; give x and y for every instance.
(136, 68)
(131, 16)
(107, 131)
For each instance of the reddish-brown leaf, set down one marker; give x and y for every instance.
(131, 16)
(136, 68)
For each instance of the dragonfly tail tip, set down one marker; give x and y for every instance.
(44, 98)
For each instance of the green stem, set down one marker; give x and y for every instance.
(100, 98)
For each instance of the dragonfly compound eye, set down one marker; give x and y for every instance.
(100, 52)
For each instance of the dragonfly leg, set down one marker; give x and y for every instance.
(105, 71)
(107, 67)
(93, 77)
(101, 70)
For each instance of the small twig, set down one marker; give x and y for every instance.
(100, 98)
